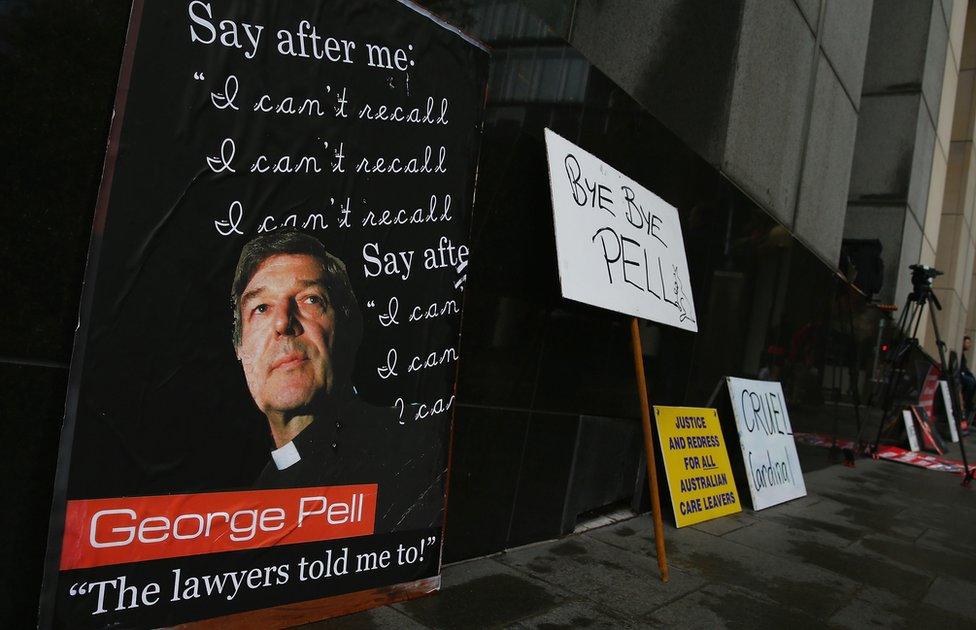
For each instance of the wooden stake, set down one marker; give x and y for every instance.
(662, 560)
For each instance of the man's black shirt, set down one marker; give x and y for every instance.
(369, 445)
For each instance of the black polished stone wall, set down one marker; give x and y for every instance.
(59, 64)
(547, 423)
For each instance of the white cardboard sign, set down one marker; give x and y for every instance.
(766, 439)
(950, 414)
(906, 416)
(618, 245)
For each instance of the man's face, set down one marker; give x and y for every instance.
(967, 343)
(287, 334)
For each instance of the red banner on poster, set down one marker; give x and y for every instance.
(100, 532)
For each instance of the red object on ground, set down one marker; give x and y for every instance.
(891, 453)
(931, 440)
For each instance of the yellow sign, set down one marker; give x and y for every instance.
(696, 464)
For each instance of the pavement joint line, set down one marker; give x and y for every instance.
(874, 555)
(617, 615)
(735, 530)
(683, 595)
(670, 564)
(753, 549)
(596, 603)
(748, 593)
(783, 556)
(609, 544)
(855, 596)
(756, 550)
(853, 542)
(490, 556)
(743, 526)
(408, 615)
(537, 543)
(622, 548)
(675, 599)
(537, 578)
(919, 537)
(573, 595)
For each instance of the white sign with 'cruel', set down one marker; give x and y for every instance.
(766, 438)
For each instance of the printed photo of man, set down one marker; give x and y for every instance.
(297, 330)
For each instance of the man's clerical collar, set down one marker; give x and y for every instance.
(285, 456)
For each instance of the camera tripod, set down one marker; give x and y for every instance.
(909, 320)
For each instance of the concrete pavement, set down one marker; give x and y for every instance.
(882, 544)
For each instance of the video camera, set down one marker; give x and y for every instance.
(923, 275)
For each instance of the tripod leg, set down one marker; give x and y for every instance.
(968, 477)
(830, 359)
(853, 376)
(900, 327)
(906, 322)
(889, 396)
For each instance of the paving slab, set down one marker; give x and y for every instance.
(860, 613)
(833, 548)
(867, 569)
(922, 558)
(952, 595)
(576, 614)
(788, 582)
(954, 519)
(625, 583)
(719, 559)
(877, 545)
(781, 535)
(876, 607)
(852, 514)
(722, 526)
(727, 606)
(480, 594)
(962, 541)
(385, 617)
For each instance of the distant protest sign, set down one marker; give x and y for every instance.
(926, 396)
(619, 245)
(766, 439)
(949, 408)
(696, 463)
(262, 383)
(910, 433)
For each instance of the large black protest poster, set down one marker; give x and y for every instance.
(262, 383)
